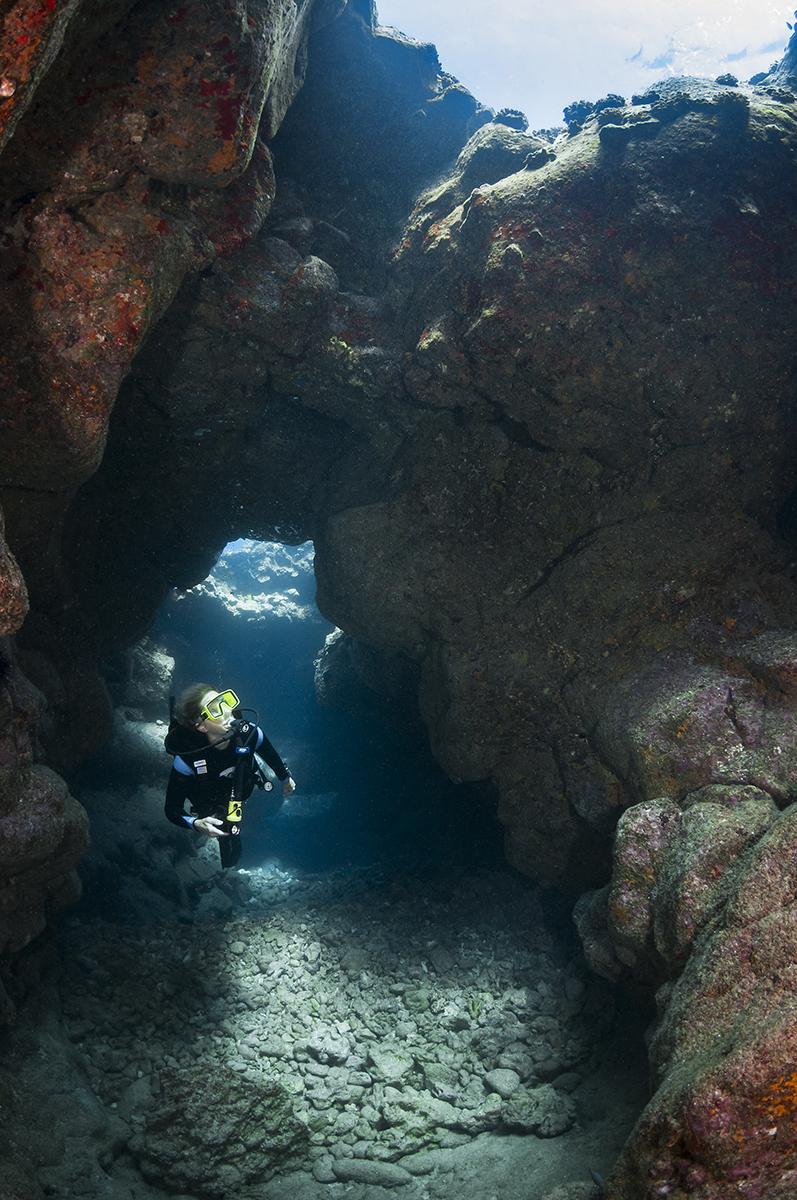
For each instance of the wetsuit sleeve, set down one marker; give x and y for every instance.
(270, 756)
(177, 791)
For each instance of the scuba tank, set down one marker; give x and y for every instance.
(247, 769)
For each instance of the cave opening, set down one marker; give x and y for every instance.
(342, 715)
(368, 788)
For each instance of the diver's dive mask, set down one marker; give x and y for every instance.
(215, 708)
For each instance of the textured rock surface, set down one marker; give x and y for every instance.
(155, 171)
(587, 433)
(211, 1134)
(147, 681)
(721, 1123)
(699, 906)
(43, 829)
(13, 593)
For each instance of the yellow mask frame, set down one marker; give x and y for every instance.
(215, 707)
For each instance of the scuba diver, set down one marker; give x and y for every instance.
(215, 768)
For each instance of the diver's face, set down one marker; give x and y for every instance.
(214, 727)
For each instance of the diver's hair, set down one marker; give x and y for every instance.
(189, 706)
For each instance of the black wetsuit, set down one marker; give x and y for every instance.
(203, 775)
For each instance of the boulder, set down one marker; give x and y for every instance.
(502, 1080)
(208, 1134)
(376, 1174)
(389, 1062)
(541, 1110)
(328, 1046)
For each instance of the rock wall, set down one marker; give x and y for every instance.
(699, 909)
(131, 157)
(533, 402)
(136, 165)
(700, 902)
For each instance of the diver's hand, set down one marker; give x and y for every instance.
(288, 786)
(211, 826)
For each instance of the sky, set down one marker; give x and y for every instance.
(539, 55)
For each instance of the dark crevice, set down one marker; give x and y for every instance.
(20, 489)
(518, 433)
(730, 713)
(569, 550)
